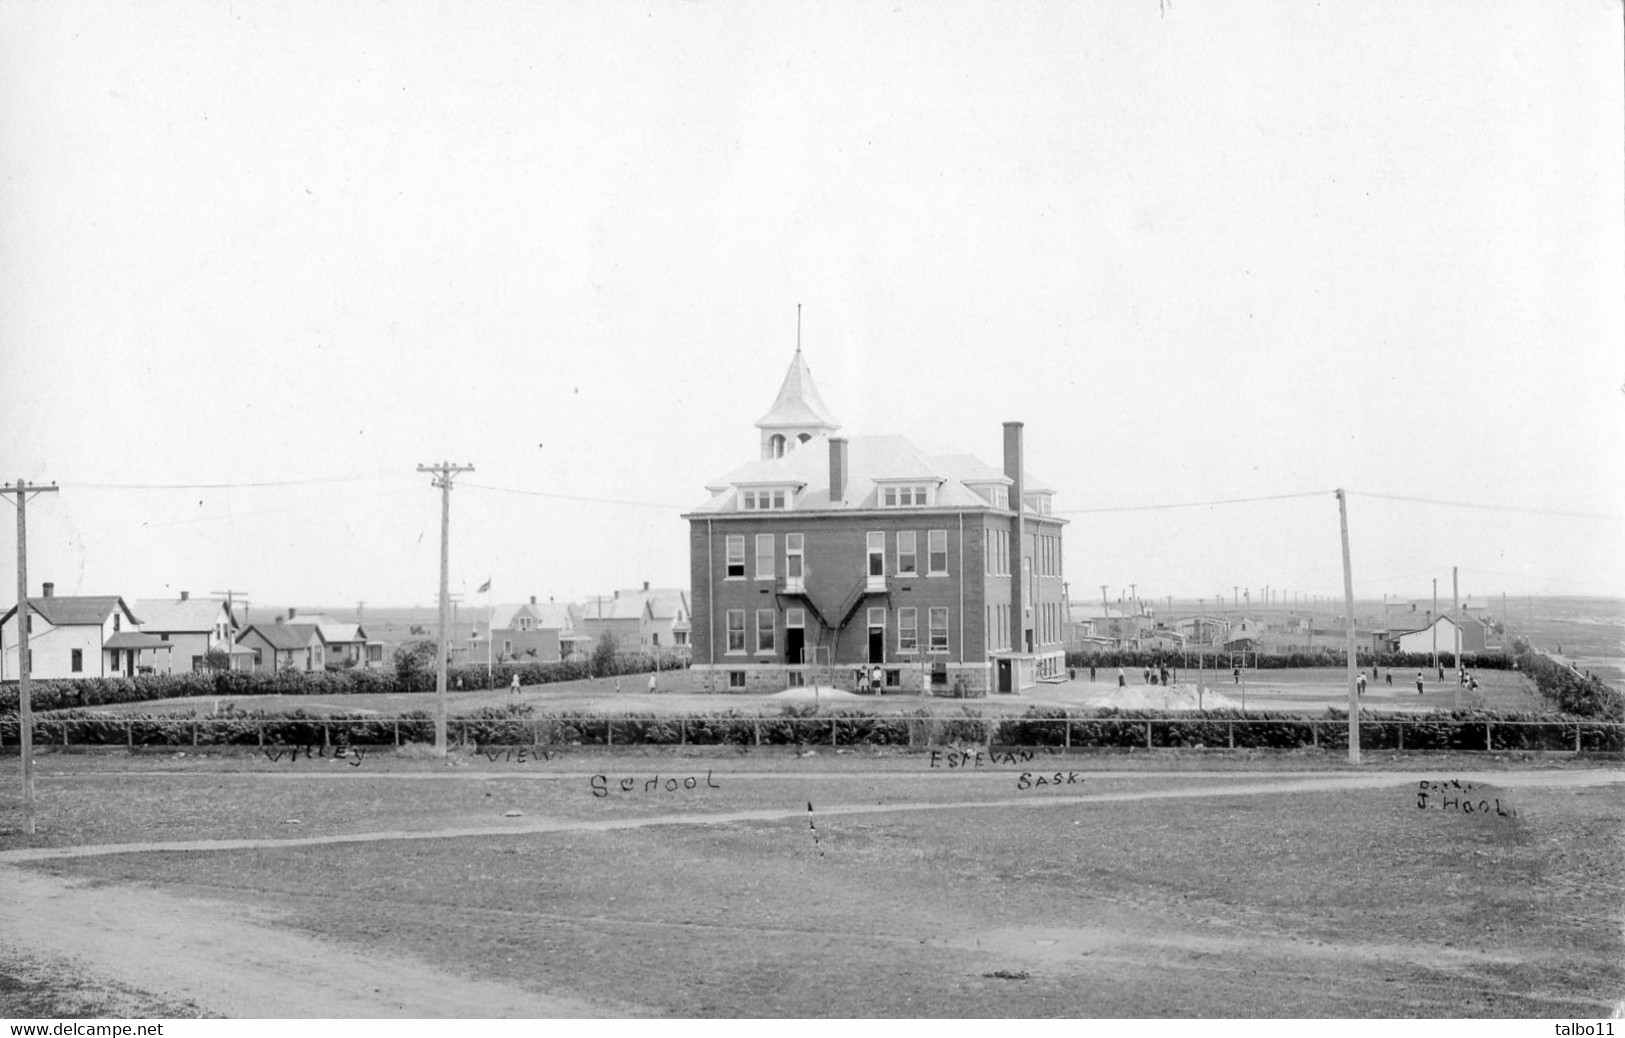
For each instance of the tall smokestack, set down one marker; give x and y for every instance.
(837, 468)
(1014, 466)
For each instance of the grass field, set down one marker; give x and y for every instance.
(1308, 690)
(816, 884)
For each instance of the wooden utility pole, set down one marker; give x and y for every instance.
(25, 713)
(1461, 668)
(1434, 624)
(443, 473)
(232, 598)
(1348, 607)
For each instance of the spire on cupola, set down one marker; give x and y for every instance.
(798, 413)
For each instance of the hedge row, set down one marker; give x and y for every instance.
(1572, 692)
(63, 694)
(1038, 727)
(1140, 658)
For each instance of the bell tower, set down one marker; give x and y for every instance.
(798, 413)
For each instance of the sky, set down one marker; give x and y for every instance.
(258, 262)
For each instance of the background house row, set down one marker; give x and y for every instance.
(639, 621)
(85, 636)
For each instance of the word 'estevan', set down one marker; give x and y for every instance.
(977, 759)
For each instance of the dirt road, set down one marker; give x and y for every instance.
(236, 963)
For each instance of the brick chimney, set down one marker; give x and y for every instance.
(292, 612)
(837, 468)
(185, 595)
(48, 589)
(532, 599)
(645, 585)
(1014, 464)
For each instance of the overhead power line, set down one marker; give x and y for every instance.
(1193, 504)
(1490, 508)
(231, 486)
(577, 497)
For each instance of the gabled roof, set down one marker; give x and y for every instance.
(332, 631)
(278, 636)
(663, 602)
(611, 607)
(177, 615)
(871, 461)
(798, 402)
(135, 640)
(74, 610)
(547, 615)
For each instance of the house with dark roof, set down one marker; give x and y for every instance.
(343, 644)
(80, 636)
(277, 646)
(829, 557)
(193, 627)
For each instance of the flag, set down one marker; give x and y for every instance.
(484, 587)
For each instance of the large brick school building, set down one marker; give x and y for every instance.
(827, 557)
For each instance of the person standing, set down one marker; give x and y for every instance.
(654, 685)
(513, 686)
(1122, 681)
(874, 679)
(1359, 685)
(1091, 672)
(1418, 682)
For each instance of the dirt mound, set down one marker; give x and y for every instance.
(1166, 697)
(818, 693)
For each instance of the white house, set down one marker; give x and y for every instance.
(193, 627)
(80, 636)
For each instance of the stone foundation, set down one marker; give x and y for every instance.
(910, 678)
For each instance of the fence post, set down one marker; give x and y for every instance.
(1148, 735)
(535, 733)
(1066, 729)
(609, 732)
(397, 733)
(1232, 726)
(326, 727)
(129, 735)
(259, 729)
(1314, 735)
(682, 732)
(1401, 726)
(1487, 743)
(1577, 737)
(834, 731)
(756, 726)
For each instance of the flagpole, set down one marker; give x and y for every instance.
(490, 637)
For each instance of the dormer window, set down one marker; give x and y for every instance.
(997, 494)
(913, 495)
(776, 500)
(1043, 504)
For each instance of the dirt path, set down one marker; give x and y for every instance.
(237, 963)
(1216, 784)
(224, 960)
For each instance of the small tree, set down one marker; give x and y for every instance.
(413, 659)
(603, 654)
